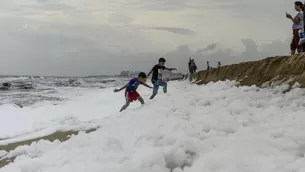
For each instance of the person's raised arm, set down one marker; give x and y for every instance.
(296, 20)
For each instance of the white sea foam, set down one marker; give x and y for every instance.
(217, 127)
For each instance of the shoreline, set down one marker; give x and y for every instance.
(58, 135)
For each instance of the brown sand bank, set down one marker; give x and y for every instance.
(271, 70)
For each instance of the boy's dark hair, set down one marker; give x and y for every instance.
(142, 75)
(162, 60)
(299, 3)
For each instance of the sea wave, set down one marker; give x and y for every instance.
(27, 91)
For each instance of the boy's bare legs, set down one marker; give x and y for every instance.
(128, 103)
(125, 106)
(141, 100)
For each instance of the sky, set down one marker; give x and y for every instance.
(95, 37)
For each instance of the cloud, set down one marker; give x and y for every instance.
(179, 57)
(210, 47)
(175, 30)
(76, 37)
(175, 5)
(67, 55)
(161, 5)
(241, 16)
(118, 18)
(41, 1)
(48, 6)
(65, 49)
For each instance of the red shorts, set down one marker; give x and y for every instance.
(132, 96)
(294, 45)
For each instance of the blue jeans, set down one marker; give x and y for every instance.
(157, 84)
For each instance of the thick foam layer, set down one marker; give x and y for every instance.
(217, 127)
(82, 108)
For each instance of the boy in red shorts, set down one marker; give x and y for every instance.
(130, 89)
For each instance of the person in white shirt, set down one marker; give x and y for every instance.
(297, 24)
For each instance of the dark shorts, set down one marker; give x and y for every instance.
(132, 96)
(294, 45)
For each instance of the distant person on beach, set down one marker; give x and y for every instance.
(192, 68)
(208, 65)
(302, 41)
(131, 93)
(218, 64)
(297, 25)
(157, 76)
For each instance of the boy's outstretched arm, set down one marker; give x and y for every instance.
(146, 85)
(170, 69)
(117, 90)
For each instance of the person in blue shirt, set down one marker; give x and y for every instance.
(131, 93)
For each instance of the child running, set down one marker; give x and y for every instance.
(130, 89)
(157, 78)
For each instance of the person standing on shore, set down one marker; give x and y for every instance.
(192, 68)
(218, 64)
(303, 44)
(297, 24)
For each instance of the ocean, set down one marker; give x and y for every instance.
(50, 88)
